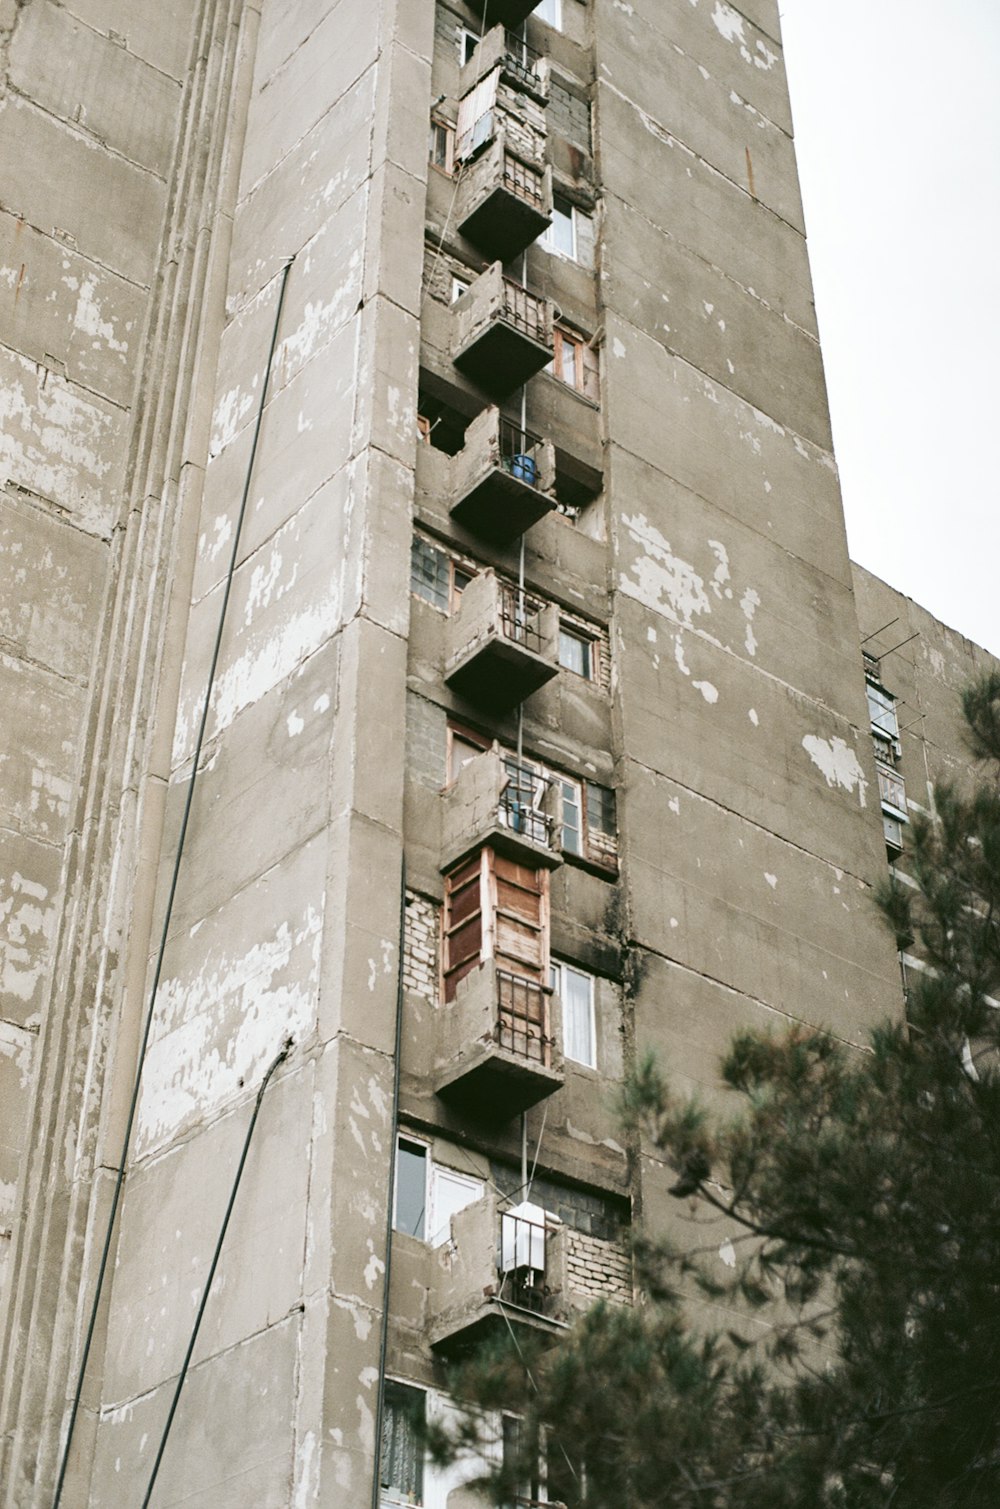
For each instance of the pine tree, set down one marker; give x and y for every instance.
(865, 1186)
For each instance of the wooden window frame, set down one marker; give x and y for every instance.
(438, 123)
(563, 337)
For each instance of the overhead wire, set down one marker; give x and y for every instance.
(185, 1365)
(168, 913)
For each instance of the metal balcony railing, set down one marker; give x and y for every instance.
(518, 617)
(525, 311)
(523, 1023)
(526, 182)
(521, 808)
(517, 448)
(522, 61)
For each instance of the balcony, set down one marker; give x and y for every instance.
(503, 479)
(502, 644)
(503, 203)
(498, 1044)
(507, 12)
(503, 1267)
(502, 333)
(495, 801)
(522, 66)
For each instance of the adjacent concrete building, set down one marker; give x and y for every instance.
(538, 733)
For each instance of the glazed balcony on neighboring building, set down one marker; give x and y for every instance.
(498, 1043)
(521, 66)
(502, 644)
(503, 479)
(494, 800)
(505, 1266)
(503, 203)
(502, 333)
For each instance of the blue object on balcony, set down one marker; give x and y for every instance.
(524, 469)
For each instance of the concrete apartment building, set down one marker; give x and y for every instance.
(539, 730)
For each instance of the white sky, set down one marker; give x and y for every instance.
(897, 124)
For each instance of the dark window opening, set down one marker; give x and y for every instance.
(439, 424)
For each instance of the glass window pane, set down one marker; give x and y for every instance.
(572, 835)
(600, 810)
(561, 234)
(577, 996)
(567, 360)
(452, 1192)
(574, 652)
(402, 1472)
(549, 11)
(882, 711)
(429, 573)
(411, 1188)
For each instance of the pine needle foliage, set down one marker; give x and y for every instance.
(862, 1370)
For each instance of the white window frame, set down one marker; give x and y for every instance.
(459, 287)
(580, 636)
(465, 35)
(548, 237)
(556, 18)
(559, 969)
(438, 1229)
(388, 1499)
(415, 1142)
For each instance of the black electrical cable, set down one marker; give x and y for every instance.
(391, 1200)
(211, 1272)
(133, 1104)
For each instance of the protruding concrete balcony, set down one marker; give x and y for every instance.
(506, 12)
(495, 801)
(498, 1048)
(503, 479)
(503, 203)
(503, 333)
(502, 644)
(504, 1266)
(523, 67)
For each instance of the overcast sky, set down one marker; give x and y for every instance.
(897, 124)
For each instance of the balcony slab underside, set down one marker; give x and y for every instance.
(500, 358)
(498, 673)
(500, 507)
(502, 224)
(494, 1083)
(490, 1317)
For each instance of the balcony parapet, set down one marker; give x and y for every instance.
(511, 808)
(499, 1046)
(502, 333)
(523, 67)
(501, 645)
(503, 479)
(504, 1265)
(503, 203)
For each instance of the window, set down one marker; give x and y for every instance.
(575, 363)
(450, 1193)
(428, 1194)
(893, 797)
(410, 1212)
(441, 153)
(402, 1470)
(468, 41)
(575, 989)
(549, 11)
(459, 286)
(577, 653)
(435, 577)
(882, 711)
(561, 235)
(496, 908)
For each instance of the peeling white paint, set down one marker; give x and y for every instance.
(772, 880)
(727, 1252)
(619, 348)
(750, 602)
(674, 804)
(295, 725)
(752, 715)
(708, 691)
(679, 655)
(88, 319)
(660, 579)
(322, 703)
(306, 1485)
(838, 763)
(721, 575)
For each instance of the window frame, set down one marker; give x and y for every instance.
(562, 338)
(465, 35)
(558, 969)
(557, 7)
(590, 644)
(389, 1494)
(413, 1142)
(438, 123)
(547, 240)
(455, 569)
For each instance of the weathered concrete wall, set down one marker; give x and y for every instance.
(749, 846)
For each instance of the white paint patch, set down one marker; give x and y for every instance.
(295, 725)
(838, 763)
(750, 602)
(721, 574)
(727, 1253)
(752, 715)
(660, 579)
(87, 318)
(727, 22)
(651, 634)
(772, 880)
(322, 703)
(679, 655)
(305, 1489)
(619, 348)
(674, 804)
(674, 922)
(708, 691)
